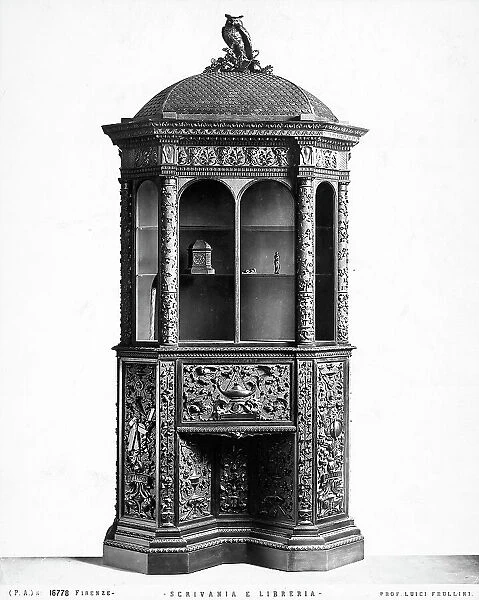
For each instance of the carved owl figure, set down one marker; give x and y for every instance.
(237, 38)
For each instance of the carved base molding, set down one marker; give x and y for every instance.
(341, 547)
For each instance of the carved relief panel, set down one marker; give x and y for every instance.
(330, 439)
(194, 480)
(233, 477)
(213, 392)
(139, 462)
(273, 478)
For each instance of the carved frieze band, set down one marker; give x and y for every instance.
(305, 441)
(194, 481)
(126, 258)
(139, 440)
(169, 263)
(274, 479)
(305, 262)
(342, 261)
(310, 156)
(167, 442)
(233, 478)
(233, 156)
(146, 156)
(330, 439)
(227, 391)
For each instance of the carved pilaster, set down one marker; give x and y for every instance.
(305, 330)
(305, 441)
(342, 262)
(167, 443)
(330, 439)
(127, 241)
(169, 263)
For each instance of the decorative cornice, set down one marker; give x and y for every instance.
(156, 129)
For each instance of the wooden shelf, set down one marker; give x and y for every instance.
(267, 275)
(270, 228)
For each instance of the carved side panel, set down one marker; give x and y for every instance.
(167, 442)
(233, 156)
(139, 440)
(273, 497)
(305, 262)
(305, 441)
(257, 391)
(127, 241)
(194, 480)
(342, 260)
(233, 477)
(330, 439)
(146, 156)
(169, 263)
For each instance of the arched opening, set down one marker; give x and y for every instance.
(324, 269)
(146, 260)
(207, 238)
(267, 263)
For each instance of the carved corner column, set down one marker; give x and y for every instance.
(169, 263)
(126, 261)
(305, 321)
(342, 264)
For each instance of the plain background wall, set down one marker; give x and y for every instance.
(408, 71)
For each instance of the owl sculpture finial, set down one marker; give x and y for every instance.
(240, 56)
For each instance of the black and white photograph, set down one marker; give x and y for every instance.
(239, 299)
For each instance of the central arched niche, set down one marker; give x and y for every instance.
(207, 301)
(267, 291)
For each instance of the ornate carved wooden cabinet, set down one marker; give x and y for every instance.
(234, 352)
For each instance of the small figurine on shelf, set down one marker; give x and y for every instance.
(249, 272)
(200, 259)
(276, 263)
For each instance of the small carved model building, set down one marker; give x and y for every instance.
(199, 255)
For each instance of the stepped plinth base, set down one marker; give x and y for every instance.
(160, 562)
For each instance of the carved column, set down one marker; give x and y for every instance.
(127, 243)
(342, 262)
(169, 263)
(305, 329)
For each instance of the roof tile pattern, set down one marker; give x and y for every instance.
(236, 95)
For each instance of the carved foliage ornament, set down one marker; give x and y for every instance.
(146, 157)
(233, 478)
(232, 156)
(139, 440)
(330, 439)
(194, 481)
(213, 392)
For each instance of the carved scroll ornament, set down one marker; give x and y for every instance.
(232, 156)
(213, 392)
